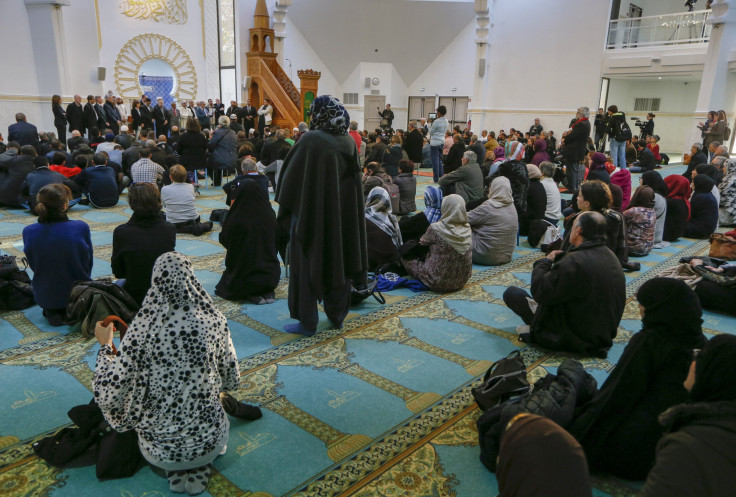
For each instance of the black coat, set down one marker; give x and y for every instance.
(59, 116)
(454, 157)
(675, 220)
(704, 216)
(646, 160)
(581, 299)
(103, 120)
(576, 142)
(24, 133)
(146, 116)
(320, 185)
(553, 396)
(75, 116)
(271, 151)
(249, 234)
(618, 429)
(413, 145)
(536, 205)
(192, 150)
(697, 454)
(135, 247)
(697, 159)
(413, 227)
(249, 114)
(12, 175)
(90, 116)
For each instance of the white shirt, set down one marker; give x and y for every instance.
(123, 111)
(266, 113)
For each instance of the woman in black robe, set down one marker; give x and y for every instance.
(321, 211)
(618, 428)
(252, 269)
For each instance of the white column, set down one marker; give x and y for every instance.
(211, 86)
(49, 45)
(483, 15)
(279, 27)
(713, 93)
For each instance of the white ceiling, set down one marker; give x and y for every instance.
(407, 33)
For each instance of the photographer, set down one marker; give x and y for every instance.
(647, 128)
(387, 118)
(601, 128)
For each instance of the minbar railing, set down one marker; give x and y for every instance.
(653, 31)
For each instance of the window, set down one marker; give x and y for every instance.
(226, 29)
(646, 104)
(350, 98)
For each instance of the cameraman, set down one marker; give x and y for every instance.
(647, 129)
(601, 128)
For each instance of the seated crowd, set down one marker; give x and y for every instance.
(666, 414)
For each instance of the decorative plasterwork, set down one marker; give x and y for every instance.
(483, 20)
(279, 17)
(169, 11)
(153, 46)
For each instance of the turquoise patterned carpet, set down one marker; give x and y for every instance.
(381, 407)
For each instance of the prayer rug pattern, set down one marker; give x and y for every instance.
(381, 407)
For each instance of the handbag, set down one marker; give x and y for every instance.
(506, 378)
(15, 284)
(722, 247)
(542, 232)
(361, 292)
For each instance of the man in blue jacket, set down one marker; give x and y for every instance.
(23, 132)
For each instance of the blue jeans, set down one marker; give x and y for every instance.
(618, 153)
(435, 152)
(635, 169)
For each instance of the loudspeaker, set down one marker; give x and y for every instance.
(247, 81)
(367, 83)
(101, 72)
(482, 68)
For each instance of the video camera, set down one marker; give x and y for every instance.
(639, 123)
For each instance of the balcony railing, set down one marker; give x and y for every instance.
(670, 29)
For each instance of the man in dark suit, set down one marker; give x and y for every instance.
(161, 117)
(22, 132)
(90, 115)
(75, 115)
(76, 140)
(219, 109)
(413, 144)
(103, 121)
(147, 113)
(234, 109)
(111, 110)
(249, 114)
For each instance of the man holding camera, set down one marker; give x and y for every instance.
(387, 117)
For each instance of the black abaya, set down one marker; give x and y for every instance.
(249, 235)
(618, 428)
(320, 195)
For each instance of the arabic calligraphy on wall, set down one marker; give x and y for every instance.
(169, 11)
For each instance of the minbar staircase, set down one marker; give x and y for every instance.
(269, 80)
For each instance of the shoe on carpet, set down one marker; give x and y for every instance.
(239, 409)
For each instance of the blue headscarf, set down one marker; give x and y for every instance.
(328, 114)
(433, 202)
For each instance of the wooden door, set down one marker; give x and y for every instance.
(372, 105)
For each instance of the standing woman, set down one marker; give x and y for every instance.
(192, 149)
(60, 121)
(135, 112)
(252, 269)
(59, 251)
(122, 110)
(265, 115)
(716, 131)
(648, 129)
(165, 381)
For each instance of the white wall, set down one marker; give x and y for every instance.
(390, 84)
(546, 65)
(673, 121)
(302, 56)
(118, 29)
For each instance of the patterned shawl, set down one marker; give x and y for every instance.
(328, 114)
(378, 211)
(433, 203)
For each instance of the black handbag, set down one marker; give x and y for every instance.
(361, 292)
(506, 378)
(15, 284)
